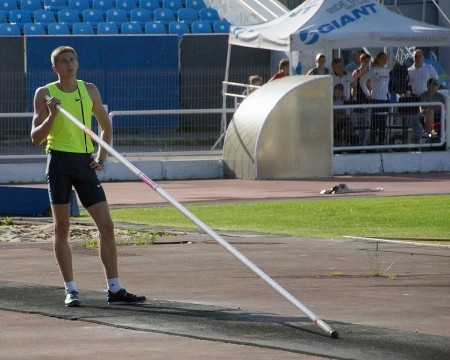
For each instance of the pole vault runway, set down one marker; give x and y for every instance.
(271, 331)
(197, 291)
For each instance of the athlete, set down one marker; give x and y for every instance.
(70, 163)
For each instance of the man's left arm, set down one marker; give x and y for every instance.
(102, 118)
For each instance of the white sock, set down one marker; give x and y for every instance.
(70, 286)
(114, 285)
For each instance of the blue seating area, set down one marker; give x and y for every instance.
(83, 17)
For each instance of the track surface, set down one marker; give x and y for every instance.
(198, 292)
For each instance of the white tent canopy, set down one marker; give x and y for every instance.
(320, 24)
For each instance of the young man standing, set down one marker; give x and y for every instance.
(432, 113)
(70, 163)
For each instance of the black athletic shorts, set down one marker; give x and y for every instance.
(65, 170)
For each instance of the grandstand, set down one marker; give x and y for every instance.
(27, 17)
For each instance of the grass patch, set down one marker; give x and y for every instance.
(7, 221)
(336, 273)
(91, 244)
(130, 237)
(146, 237)
(393, 276)
(423, 216)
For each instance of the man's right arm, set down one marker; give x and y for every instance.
(43, 118)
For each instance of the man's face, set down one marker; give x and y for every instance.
(66, 64)
(418, 58)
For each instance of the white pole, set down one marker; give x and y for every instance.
(223, 123)
(332, 333)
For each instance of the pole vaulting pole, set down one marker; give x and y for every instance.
(325, 327)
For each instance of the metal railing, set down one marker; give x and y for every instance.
(150, 131)
(377, 127)
(388, 127)
(135, 132)
(399, 127)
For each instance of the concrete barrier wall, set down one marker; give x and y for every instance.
(177, 169)
(212, 168)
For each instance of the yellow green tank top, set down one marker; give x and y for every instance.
(65, 135)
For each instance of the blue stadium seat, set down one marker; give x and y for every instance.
(103, 5)
(195, 4)
(7, 6)
(178, 28)
(126, 5)
(116, 16)
(30, 5)
(44, 17)
(173, 5)
(79, 5)
(20, 18)
(164, 16)
(58, 29)
(129, 28)
(155, 28)
(106, 28)
(55, 5)
(150, 5)
(9, 30)
(187, 16)
(33, 29)
(209, 14)
(93, 17)
(3, 18)
(221, 27)
(68, 17)
(201, 27)
(82, 28)
(140, 16)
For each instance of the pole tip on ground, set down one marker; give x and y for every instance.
(334, 334)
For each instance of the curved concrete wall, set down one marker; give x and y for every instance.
(282, 130)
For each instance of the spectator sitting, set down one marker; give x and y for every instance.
(342, 124)
(419, 73)
(432, 113)
(255, 81)
(283, 70)
(320, 68)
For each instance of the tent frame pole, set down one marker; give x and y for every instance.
(223, 123)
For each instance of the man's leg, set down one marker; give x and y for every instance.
(108, 252)
(63, 254)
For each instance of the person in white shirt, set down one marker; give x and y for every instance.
(419, 73)
(378, 75)
(379, 79)
(340, 76)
